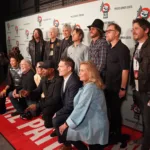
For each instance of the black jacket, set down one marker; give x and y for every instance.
(72, 86)
(64, 45)
(56, 51)
(51, 90)
(144, 68)
(32, 51)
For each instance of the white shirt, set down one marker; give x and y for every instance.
(65, 81)
(136, 65)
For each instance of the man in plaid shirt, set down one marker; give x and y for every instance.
(98, 47)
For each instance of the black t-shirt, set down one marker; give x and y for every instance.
(118, 59)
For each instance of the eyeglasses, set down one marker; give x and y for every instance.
(108, 31)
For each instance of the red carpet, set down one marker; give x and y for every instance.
(32, 135)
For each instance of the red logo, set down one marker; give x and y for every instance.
(27, 33)
(16, 28)
(8, 39)
(56, 23)
(77, 26)
(39, 19)
(105, 8)
(143, 13)
(17, 43)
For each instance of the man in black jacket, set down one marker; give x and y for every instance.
(66, 42)
(36, 47)
(50, 85)
(52, 47)
(69, 89)
(140, 75)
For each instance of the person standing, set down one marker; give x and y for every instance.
(99, 47)
(77, 51)
(117, 73)
(36, 47)
(52, 48)
(140, 75)
(67, 41)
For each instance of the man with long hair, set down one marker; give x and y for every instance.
(36, 47)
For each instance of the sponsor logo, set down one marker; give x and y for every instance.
(105, 8)
(143, 13)
(8, 39)
(77, 26)
(39, 19)
(56, 23)
(17, 43)
(27, 33)
(16, 29)
(8, 26)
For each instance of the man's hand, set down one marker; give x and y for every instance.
(24, 93)
(122, 93)
(3, 93)
(32, 107)
(62, 128)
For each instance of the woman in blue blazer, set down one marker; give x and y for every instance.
(88, 122)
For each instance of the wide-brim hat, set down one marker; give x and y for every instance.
(97, 23)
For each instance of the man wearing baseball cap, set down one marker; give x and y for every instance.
(50, 85)
(98, 47)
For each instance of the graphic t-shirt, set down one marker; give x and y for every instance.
(136, 65)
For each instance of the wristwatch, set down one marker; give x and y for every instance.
(122, 89)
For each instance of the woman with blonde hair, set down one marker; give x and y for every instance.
(88, 122)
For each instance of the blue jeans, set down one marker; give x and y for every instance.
(18, 103)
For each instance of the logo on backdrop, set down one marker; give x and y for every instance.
(56, 23)
(17, 43)
(105, 8)
(143, 13)
(16, 29)
(39, 19)
(76, 26)
(27, 33)
(8, 26)
(8, 39)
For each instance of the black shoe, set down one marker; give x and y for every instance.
(26, 116)
(15, 113)
(53, 134)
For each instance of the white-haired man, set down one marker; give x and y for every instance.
(52, 48)
(28, 84)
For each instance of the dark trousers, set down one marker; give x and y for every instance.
(141, 101)
(114, 111)
(2, 105)
(48, 113)
(58, 121)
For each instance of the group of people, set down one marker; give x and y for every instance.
(79, 90)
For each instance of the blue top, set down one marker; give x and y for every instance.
(88, 122)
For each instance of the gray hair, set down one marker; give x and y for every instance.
(55, 29)
(68, 26)
(28, 62)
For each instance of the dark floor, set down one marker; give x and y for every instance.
(4, 144)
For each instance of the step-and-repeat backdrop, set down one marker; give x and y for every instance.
(20, 31)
